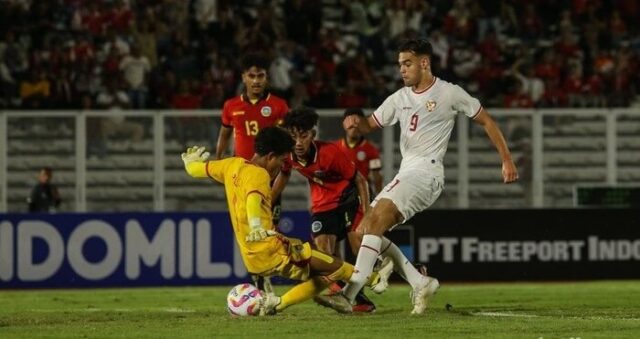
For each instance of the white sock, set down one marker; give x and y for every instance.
(367, 256)
(401, 264)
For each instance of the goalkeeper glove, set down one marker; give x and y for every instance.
(256, 233)
(195, 154)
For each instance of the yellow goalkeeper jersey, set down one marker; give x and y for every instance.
(241, 177)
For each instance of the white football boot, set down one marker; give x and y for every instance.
(422, 295)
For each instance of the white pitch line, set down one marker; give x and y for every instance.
(178, 310)
(524, 315)
(93, 309)
(504, 314)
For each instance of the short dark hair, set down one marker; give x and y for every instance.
(419, 46)
(254, 59)
(47, 170)
(353, 111)
(273, 139)
(301, 118)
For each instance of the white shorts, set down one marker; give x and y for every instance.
(413, 190)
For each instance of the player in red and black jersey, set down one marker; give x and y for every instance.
(362, 152)
(251, 111)
(339, 193)
(247, 114)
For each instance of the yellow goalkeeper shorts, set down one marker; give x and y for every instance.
(295, 261)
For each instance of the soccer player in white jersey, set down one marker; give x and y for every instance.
(426, 109)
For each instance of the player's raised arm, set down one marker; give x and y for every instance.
(195, 161)
(509, 171)
(366, 125)
(279, 184)
(223, 140)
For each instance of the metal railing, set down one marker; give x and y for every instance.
(599, 145)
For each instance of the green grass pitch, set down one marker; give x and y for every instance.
(603, 309)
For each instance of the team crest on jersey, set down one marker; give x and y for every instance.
(431, 105)
(316, 226)
(361, 155)
(265, 111)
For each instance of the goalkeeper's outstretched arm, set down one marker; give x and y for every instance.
(195, 161)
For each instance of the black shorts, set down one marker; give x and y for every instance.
(338, 221)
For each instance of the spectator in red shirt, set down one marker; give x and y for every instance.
(487, 76)
(185, 99)
(489, 47)
(567, 46)
(625, 68)
(350, 97)
(211, 92)
(548, 67)
(190, 126)
(84, 50)
(120, 17)
(553, 95)
(573, 85)
(93, 19)
(518, 98)
(593, 88)
(111, 64)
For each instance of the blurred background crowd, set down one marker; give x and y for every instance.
(64, 54)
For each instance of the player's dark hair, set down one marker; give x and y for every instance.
(254, 59)
(301, 118)
(353, 111)
(419, 46)
(273, 139)
(47, 170)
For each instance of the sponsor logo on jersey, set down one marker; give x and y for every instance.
(316, 226)
(431, 105)
(361, 155)
(265, 111)
(237, 113)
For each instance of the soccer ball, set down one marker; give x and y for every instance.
(244, 300)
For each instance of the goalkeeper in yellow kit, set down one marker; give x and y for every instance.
(264, 251)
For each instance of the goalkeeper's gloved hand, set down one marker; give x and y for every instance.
(195, 154)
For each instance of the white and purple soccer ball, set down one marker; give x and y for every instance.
(244, 300)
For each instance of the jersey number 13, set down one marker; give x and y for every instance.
(251, 127)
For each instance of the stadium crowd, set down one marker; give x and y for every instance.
(61, 54)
